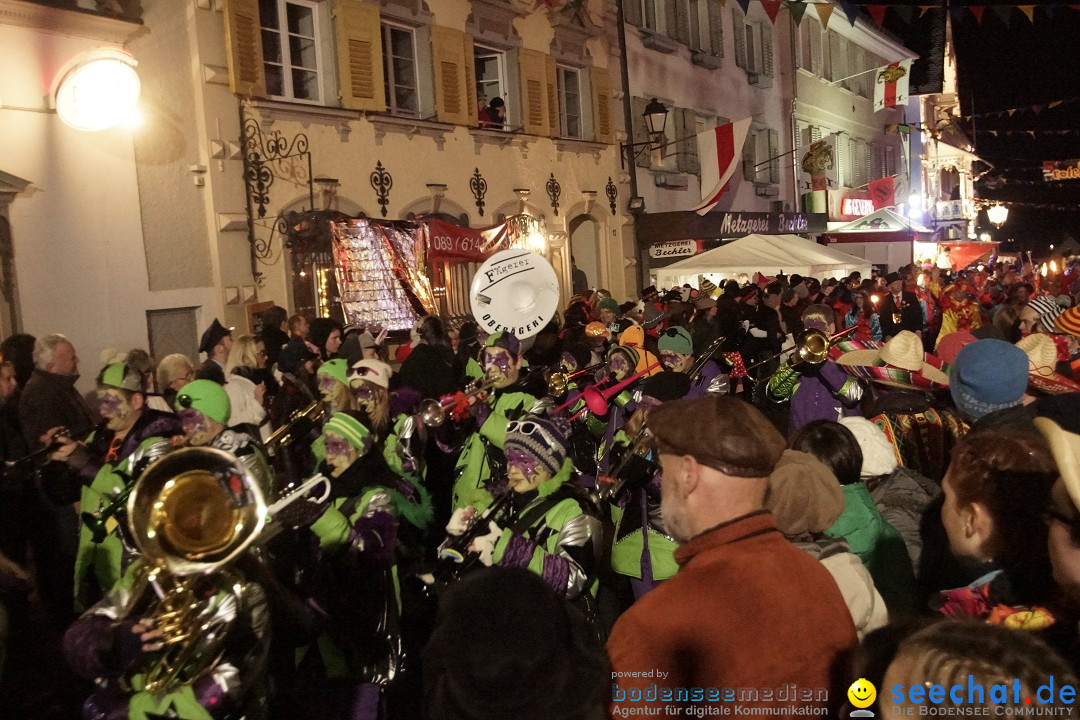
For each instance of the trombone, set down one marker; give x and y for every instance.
(299, 423)
(811, 347)
(558, 381)
(433, 412)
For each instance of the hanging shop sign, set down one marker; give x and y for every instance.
(662, 227)
(674, 249)
(446, 241)
(856, 207)
(1061, 170)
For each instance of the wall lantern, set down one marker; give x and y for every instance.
(99, 90)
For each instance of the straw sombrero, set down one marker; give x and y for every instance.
(1065, 447)
(900, 362)
(1042, 359)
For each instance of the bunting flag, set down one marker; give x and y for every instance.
(891, 85)
(905, 12)
(824, 12)
(720, 150)
(851, 10)
(771, 7)
(923, 9)
(1028, 10)
(882, 192)
(745, 5)
(877, 12)
(797, 9)
(1038, 108)
(1004, 13)
(977, 11)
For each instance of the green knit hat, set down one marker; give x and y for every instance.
(337, 368)
(677, 340)
(608, 304)
(207, 397)
(350, 428)
(121, 376)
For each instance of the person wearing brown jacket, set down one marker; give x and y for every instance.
(748, 620)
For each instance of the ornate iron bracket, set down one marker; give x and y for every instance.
(554, 190)
(382, 181)
(612, 193)
(262, 152)
(478, 185)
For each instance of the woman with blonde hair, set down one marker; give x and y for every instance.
(173, 373)
(245, 384)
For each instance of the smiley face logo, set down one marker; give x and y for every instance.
(862, 693)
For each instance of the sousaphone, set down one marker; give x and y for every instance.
(515, 291)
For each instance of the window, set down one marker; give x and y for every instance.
(490, 67)
(761, 162)
(810, 46)
(570, 120)
(890, 160)
(700, 38)
(399, 70)
(291, 49)
(753, 49)
(837, 57)
(652, 14)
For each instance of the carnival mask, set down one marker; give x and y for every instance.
(524, 472)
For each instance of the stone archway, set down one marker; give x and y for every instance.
(584, 233)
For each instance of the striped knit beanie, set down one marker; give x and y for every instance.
(1048, 310)
(1069, 321)
(540, 437)
(349, 427)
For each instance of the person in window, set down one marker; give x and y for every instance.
(494, 115)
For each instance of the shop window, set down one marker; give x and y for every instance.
(290, 44)
(399, 70)
(570, 117)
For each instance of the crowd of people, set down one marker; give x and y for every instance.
(753, 494)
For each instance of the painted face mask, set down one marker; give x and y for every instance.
(328, 387)
(568, 363)
(619, 365)
(196, 427)
(523, 471)
(364, 394)
(498, 366)
(671, 361)
(114, 408)
(340, 453)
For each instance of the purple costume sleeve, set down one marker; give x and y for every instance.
(95, 646)
(379, 535)
(556, 573)
(518, 552)
(832, 376)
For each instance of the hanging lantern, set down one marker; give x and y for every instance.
(997, 214)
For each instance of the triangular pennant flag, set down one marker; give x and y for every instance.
(878, 13)
(797, 9)
(723, 3)
(994, 133)
(904, 12)
(977, 11)
(1011, 111)
(1037, 108)
(924, 8)
(1028, 10)
(1031, 133)
(824, 12)
(851, 10)
(720, 150)
(771, 7)
(1004, 13)
(1054, 104)
(745, 5)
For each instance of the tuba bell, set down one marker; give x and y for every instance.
(191, 513)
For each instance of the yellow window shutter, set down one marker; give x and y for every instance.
(359, 55)
(601, 87)
(532, 66)
(243, 43)
(448, 55)
(554, 126)
(470, 82)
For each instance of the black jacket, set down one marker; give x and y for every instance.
(906, 317)
(50, 400)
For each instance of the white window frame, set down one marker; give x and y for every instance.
(561, 72)
(500, 63)
(385, 28)
(283, 35)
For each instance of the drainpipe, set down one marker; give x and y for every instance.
(794, 124)
(641, 250)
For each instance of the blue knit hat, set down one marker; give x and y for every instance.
(988, 375)
(541, 437)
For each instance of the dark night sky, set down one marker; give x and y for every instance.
(1020, 65)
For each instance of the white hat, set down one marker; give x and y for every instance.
(374, 371)
(879, 455)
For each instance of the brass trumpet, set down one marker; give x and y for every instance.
(811, 347)
(433, 412)
(559, 380)
(299, 423)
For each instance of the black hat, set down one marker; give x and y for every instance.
(213, 336)
(891, 278)
(649, 292)
(497, 102)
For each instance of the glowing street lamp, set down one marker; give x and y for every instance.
(997, 214)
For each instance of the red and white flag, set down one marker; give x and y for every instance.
(891, 85)
(719, 150)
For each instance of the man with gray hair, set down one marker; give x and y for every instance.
(50, 399)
